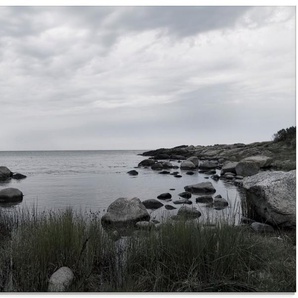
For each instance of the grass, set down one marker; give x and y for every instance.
(181, 256)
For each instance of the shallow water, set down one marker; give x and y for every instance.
(92, 180)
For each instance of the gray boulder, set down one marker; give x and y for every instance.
(183, 201)
(10, 195)
(146, 163)
(5, 173)
(187, 165)
(273, 196)
(219, 203)
(247, 168)
(229, 167)
(194, 160)
(203, 187)
(60, 280)
(157, 166)
(125, 211)
(185, 194)
(152, 204)
(261, 160)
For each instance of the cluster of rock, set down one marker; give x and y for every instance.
(270, 194)
(10, 195)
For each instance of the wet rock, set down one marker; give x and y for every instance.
(177, 176)
(8, 195)
(261, 227)
(60, 280)
(203, 187)
(147, 163)
(5, 173)
(167, 165)
(204, 199)
(189, 173)
(152, 204)
(164, 172)
(185, 194)
(164, 196)
(133, 173)
(210, 172)
(272, 195)
(157, 166)
(183, 201)
(208, 165)
(215, 177)
(18, 176)
(125, 211)
(174, 173)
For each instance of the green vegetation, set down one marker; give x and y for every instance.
(179, 256)
(285, 135)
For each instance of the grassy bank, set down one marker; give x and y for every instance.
(179, 256)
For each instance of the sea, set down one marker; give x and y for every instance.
(89, 181)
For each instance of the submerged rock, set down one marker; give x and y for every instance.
(18, 176)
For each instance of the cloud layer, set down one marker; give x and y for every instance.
(144, 77)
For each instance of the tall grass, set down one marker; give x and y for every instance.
(179, 256)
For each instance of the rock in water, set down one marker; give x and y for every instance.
(133, 173)
(125, 211)
(273, 196)
(152, 204)
(60, 280)
(203, 187)
(18, 176)
(188, 212)
(5, 173)
(10, 195)
(164, 196)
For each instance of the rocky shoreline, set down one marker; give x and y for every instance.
(265, 170)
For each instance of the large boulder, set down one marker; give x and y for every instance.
(187, 165)
(146, 163)
(203, 187)
(8, 195)
(194, 160)
(125, 211)
(5, 173)
(261, 160)
(247, 168)
(60, 280)
(272, 195)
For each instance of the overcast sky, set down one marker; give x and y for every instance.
(144, 77)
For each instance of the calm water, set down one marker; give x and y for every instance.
(92, 180)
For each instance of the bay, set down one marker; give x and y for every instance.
(92, 180)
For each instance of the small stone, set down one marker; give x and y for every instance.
(60, 280)
(133, 173)
(164, 196)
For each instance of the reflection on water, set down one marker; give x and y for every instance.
(92, 180)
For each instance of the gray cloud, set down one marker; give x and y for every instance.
(141, 77)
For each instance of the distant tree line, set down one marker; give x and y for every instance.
(288, 135)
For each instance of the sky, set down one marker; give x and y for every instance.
(144, 77)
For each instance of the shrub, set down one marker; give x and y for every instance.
(287, 134)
